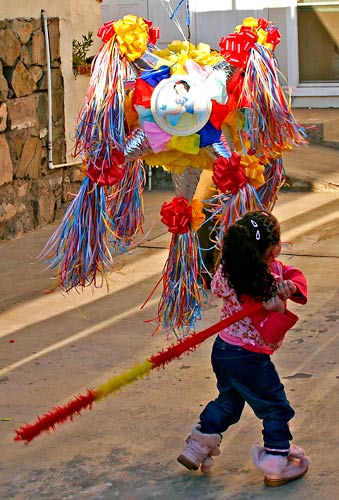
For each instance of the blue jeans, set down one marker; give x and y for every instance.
(245, 376)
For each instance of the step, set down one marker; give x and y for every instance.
(321, 125)
(312, 168)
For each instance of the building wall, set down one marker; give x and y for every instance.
(32, 194)
(75, 19)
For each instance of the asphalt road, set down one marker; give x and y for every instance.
(55, 346)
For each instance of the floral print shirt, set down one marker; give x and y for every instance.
(263, 331)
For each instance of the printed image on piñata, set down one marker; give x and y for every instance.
(180, 107)
(181, 111)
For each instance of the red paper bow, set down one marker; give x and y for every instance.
(177, 215)
(229, 174)
(104, 173)
(236, 46)
(106, 32)
(273, 37)
(263, 23)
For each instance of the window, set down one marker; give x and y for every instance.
(318, 36)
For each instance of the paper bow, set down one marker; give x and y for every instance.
(198, 217)
(179, 52)
(254, 170)
(103, 173)
(177, 215)
(108, 30)
(229, 174)
(236, 46)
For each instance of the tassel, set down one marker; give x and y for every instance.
(125, 206)
(79, 249)
(271, 125)
(183, 294)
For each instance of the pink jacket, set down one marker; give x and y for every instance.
(263, 331)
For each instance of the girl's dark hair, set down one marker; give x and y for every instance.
(245, 243)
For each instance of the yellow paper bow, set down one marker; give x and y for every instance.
(132, 36)
(178, 52)
(198, 217)
(254, 170)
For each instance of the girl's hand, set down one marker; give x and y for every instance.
(275, 304)
(285, 289)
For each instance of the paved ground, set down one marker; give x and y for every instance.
(53, 347)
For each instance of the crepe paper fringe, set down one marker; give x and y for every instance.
(226, 208)
(57, 415)
(61, 414)
(99, 223)
(245, 200)
(274, 179)
(119, 381)
(271, 125)
(79, 249)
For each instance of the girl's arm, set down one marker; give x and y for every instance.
(293, 284)
(273, 321)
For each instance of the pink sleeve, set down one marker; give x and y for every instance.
(272, 326)
(298, 278)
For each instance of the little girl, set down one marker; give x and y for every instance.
(250, 272)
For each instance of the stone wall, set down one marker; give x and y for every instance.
(31, 194)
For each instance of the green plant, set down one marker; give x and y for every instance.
(80, 49)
